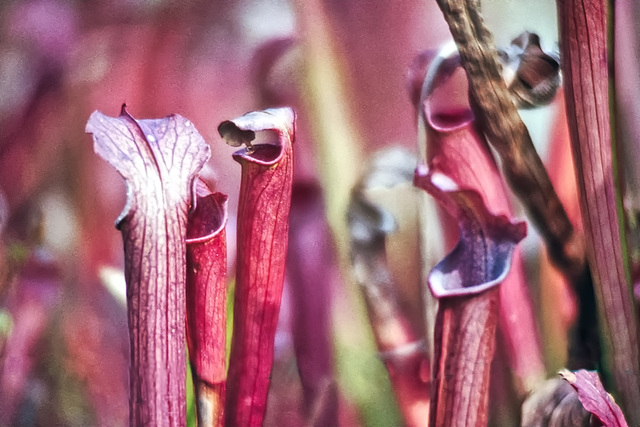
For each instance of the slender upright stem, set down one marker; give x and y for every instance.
(585, 64)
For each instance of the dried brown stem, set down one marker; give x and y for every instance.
(507, 133)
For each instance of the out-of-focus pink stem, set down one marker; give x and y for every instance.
(399, 341)
(31, 305)
(207, 303)
(263, 226)
(311, 264)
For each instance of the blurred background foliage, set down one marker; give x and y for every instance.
(63, 333)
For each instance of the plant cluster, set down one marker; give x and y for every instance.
(245, 302)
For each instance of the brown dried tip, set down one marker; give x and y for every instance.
(532, 75)
(236, 137)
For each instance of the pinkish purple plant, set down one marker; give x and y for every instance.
(263, 224)
(466, 286)
(159, 160)
(454, 144)
(584, 49)
(206, 296)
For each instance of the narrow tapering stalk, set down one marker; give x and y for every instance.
(207, 304)
(583, 46)
(466, 283)
(263, 225)
(159, 160)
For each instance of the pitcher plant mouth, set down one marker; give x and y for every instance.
(444, 99)
(482, 257)
(208, 216)
(242, 131)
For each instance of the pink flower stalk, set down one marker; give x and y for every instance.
(207, 303)
(583, 25)
(466, 283)
(456, 146)
(263, 225)
(159, 159)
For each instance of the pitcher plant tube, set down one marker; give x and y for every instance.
(159, 160)
(455, 143)
(207, 303)
(585, 65)
(466, 284)
(263, 225)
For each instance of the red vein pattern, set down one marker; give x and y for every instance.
(585, 66)
(159, 160)
(466, 283)
(207, 303)
(263, 226)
